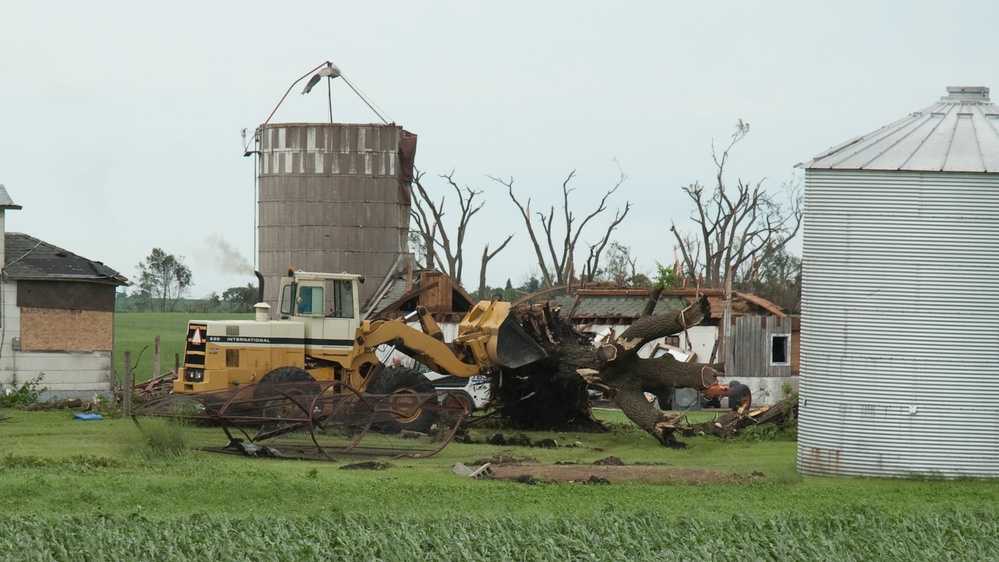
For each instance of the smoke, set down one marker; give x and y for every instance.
(225, 257)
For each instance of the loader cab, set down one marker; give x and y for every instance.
(325, 303)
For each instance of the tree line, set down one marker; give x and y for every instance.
(738, 241)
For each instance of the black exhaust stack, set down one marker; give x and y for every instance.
(260, 286)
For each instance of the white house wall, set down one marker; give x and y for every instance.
(10, 328)
(65, 373)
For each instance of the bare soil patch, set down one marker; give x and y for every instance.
(605, 471)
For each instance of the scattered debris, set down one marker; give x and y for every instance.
(155, 386)
(252, 450)
(505, 460)
(462, 470)
(733, 422)
(646, 474)
(75, 403)
(593, 479)
(367, 465)
(521, 440)
(609, 461)
(525, 479)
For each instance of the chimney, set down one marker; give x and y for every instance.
(5, 203)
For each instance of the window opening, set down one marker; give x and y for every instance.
(780, 350)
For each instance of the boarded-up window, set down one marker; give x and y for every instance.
(45, 329)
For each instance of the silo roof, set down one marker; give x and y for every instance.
(959, 133)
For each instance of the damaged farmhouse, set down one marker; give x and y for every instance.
(900, 309)
(57, 317)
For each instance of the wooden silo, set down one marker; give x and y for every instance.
(333, 198)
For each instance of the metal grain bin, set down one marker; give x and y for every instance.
(333, 198)
(900, 298)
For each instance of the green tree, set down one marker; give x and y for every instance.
(241, 299)
(621, 268)
(164, 279)
(778, 279)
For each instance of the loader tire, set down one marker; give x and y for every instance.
(740, 397)
(400, 381)
(290, 401)
(286, 374)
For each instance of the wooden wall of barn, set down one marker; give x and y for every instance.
(750, 346)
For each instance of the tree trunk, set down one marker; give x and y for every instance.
(553, 393)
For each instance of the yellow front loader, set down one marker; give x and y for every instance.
(320, 336)
(314, 368)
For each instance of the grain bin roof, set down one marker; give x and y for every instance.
(959, 133)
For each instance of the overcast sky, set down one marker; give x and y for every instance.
(121, 120)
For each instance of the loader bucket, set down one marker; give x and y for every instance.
(494, 326)
(514, 348)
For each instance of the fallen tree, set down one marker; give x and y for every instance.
(553, 393)
(629, 376)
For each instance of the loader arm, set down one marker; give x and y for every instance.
(488, 338)
(423, 347)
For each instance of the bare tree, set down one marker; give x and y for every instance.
(740, 227)
(561, 233)
(486, 256)
(428, 216)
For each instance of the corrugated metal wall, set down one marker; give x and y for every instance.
(900, 324)
(330, 200)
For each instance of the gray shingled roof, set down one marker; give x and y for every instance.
(30, 258)
(959, 133)
(617, 306)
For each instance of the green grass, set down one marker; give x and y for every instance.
(136, 332)
(97, 487)
(72, 490)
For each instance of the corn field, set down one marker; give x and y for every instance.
(859, 534)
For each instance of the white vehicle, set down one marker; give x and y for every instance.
(472, 391)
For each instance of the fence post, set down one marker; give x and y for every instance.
(126, 408)
(156, 357)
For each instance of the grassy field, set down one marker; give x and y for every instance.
(97, 490)
(136, 332)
